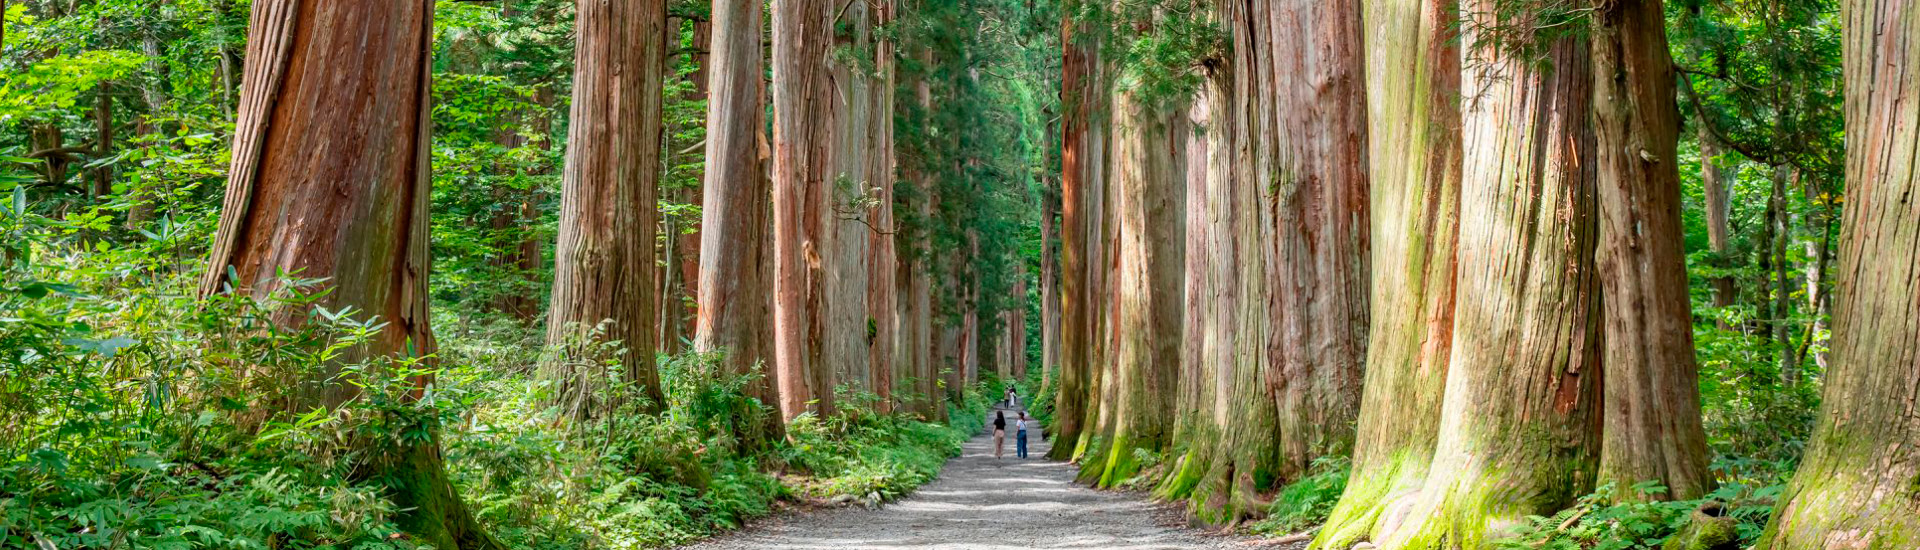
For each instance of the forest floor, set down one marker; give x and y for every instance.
(982, 503)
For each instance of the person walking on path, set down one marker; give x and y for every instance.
(1013, 397)
(999, 433)
(1020, 435)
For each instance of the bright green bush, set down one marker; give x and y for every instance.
(1306, 504)
(1598, 523)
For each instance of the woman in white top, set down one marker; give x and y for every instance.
(1020, 437)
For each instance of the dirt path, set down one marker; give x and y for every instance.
(983, 503)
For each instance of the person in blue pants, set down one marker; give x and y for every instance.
(1020, 435)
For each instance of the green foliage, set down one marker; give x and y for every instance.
(1305, 504)
(56, 83)
(1598, 522)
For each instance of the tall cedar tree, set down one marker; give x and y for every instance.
(1413, 136)
(604, 262)
(330, 181)
(1652, 409)
(804, 139)
(1289, 389)
(883, 294)
(1857, 485)
(736, 283)
(1082, 160)
(1520, 421)
(1148, 174)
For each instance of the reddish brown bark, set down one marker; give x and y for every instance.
(736, 282)
(804, 106)
(1316, 162)
(882, 290)
(1082, 155)
(1148, 200)
(330, 180)
(1520, 423)
(1413, 94)
(604, 261)
(1049, 280)
(1653, 427)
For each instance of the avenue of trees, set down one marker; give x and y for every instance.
(1407, 274)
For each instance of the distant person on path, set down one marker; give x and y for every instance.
(1020, 435)
(1013, 397)
(999, 433)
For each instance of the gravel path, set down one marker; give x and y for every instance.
(980, 503)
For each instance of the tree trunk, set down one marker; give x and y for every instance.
(685, 308)
(882, 295)
(1716, 179)
(145, 194)
(230, 61)
(1193, 424)
(1855, 487)
(1780, 322)
(848, 227)
(1049, 281)
(1082, 155)
(1413, 94)
(1519, 425)
(735, 313)
(805, 107)
(604, 261)
(1316, 160)
(102, 176)
(918, 338)
(1148, 176)
(1017, 326)
(330, 180)
(1653, 426)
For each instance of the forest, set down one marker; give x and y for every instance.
(618, 274)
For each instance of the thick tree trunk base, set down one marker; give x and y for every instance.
(432, 511)
(1469, 512)
(1844, 510)
(1376, 500)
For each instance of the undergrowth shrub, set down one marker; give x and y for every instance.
(1305, 504)
(1598, 523)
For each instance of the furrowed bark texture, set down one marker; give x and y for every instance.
(329, 180)
(931, 344)
(736, 282)
(1049, 279)
(1288, 202)
(1653, 427)
(1148, 176)
(1520, 422)
(1082, 156)
(604, 262)
(847, 352)
(1230, 457)
(1209, 289)
(882, 294)
(804, 106)
(1316, 159)
(1413, 105)
(1859, 485)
